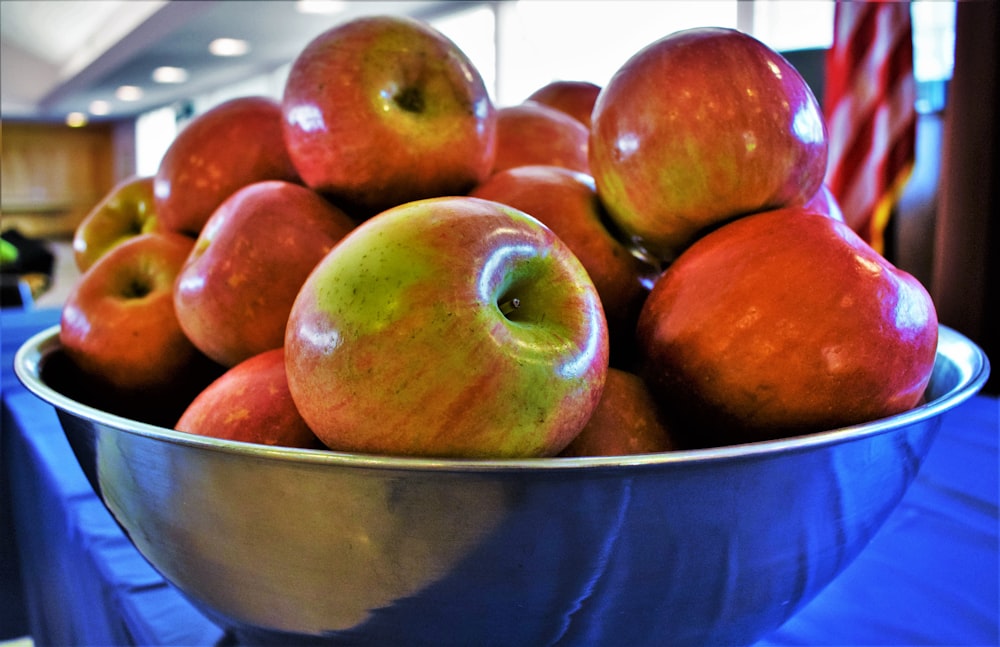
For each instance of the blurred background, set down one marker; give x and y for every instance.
(94, 91)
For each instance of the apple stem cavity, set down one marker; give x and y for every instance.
(137, 289)
(509, 306)
(410, 100)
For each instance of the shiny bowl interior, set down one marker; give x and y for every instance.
(708, 546)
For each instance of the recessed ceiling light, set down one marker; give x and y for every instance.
(320, 6)
(100, 107)
(76, 119)
(169, 74)
(228, 47)
(129, 92)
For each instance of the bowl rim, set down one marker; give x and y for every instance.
(974, 365)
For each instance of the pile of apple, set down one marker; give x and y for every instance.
(384, 261)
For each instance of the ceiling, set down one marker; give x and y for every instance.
(58, 56)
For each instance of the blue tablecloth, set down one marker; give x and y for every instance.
(931, 576)
(82, 582)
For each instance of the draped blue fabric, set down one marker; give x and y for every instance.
(81, 581)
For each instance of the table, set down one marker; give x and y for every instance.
(82, 581)
(930, 576)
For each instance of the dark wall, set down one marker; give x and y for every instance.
(967, 232)
(811, 65)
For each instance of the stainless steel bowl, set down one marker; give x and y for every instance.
(713, 546)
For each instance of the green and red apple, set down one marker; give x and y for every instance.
(575, 98)
(450, 326)
(781, 323)
(699, 127)
(234, 144)
(566, 201)
(627, 421)
(250, 403)
(236, 289)
(128, 210)
(533, 133)
(118, 323)
(382, 110)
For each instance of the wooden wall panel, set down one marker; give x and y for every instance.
(52, 175)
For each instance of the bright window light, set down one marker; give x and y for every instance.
(325, 7)
(154, 131)
(803, 24)
(473, 31)
(540, 41)
(933, 40)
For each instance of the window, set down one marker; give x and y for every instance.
(545, 40)
(474, 31)
(153, 133)
(933, 51)
(785, 25)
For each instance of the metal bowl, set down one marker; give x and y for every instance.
(711, 546)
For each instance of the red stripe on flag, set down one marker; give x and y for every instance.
(870, 111)
(864, 32)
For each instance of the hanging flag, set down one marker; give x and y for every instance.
(869, 105)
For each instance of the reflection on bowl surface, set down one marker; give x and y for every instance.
(710, 546)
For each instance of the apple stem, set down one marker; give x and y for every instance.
(510, 306)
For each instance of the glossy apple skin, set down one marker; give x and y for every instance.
(118, 323)
(699, 127)
(237, 286)
(627, 421)
(128, 210)
(781, 323)
(566, 201)
(250, 403)
(575, 98)
(533, 133)
(398, 342)
(383, 110)
(234, 144)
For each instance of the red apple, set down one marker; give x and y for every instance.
(575, 98)
(699, 127)
(382, 110)
(627, 421)
(826, 203)
(234, 144)
(235, 291)
(448, 327)
(250, 402)
(781, 323)
(126, 211)
(566, 201)
(532, 133)
(118, 321)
